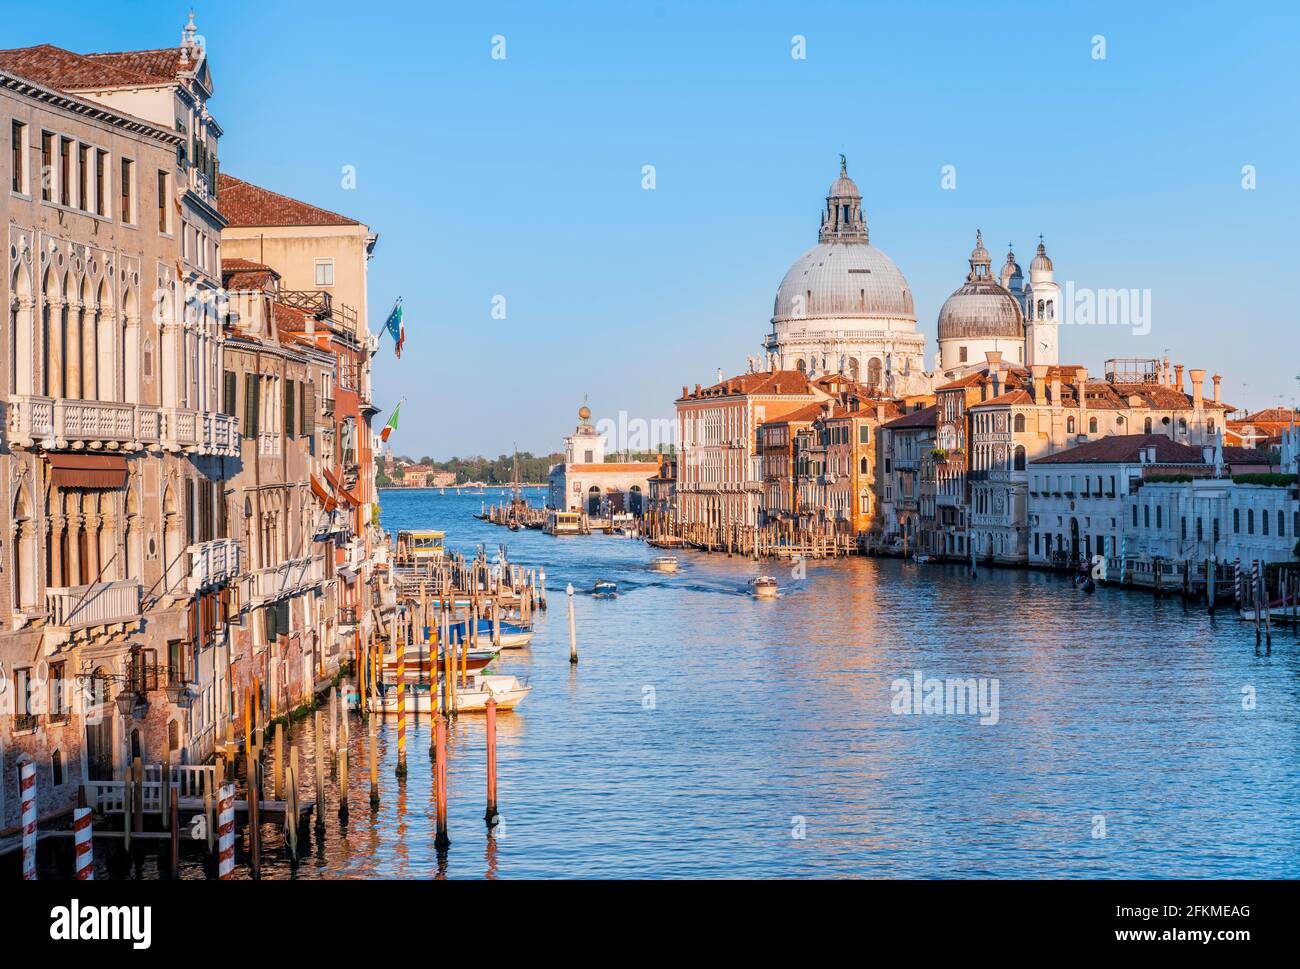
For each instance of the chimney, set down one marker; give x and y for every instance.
(1198, 389)
(1081, 385)
(719, 375)
(697, 390)
(686, 391)
(1056, 389)
(1178, 376)
(1040, 382)
(1217, 378)
(1168, 373)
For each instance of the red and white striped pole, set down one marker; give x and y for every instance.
(83, 849)
(226, 832)
(27, 787)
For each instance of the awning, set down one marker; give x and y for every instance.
(332, 478)
(324, 496)
(87, 470)
(356, 502)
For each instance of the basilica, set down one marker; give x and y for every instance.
(844, 307)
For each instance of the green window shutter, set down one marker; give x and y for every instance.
(250, 405)
(231, 408)
(290, 398)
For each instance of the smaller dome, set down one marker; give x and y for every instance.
(1041, 261)
(981, 308)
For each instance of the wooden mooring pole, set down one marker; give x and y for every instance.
(491, 816)
(573, 629)
(441, 841)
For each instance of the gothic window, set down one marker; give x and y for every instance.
(1020, 457)
(1092, 425)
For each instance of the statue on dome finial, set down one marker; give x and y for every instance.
(844, 164)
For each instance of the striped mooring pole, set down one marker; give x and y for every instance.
(401, 704)
(83, 848)
(226, 832)
(27, 788)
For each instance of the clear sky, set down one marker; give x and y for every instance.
(522, 177)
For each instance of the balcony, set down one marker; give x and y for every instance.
(100, 604)
(213, 563)
(268, 443)
(181, 429)
(96, 425)
(285, 579)
(220, 434)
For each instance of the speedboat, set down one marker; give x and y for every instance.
(604, 589)
(664, 563)
(513, 635)
(921, 558)
(471, 695)
(763, 587)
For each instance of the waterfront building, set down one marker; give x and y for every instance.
(1149, 498)
(1052, 408)
(117, 447)
(1261, 428)
(321, 263)
(661, 496)
(283, 641)
(844, 307)
(906, 481)
(776, 444)
(835, 463)
(586, 482)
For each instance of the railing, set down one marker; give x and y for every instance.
(268, 443)
(99, 604)
(220, 434)
(180, 429)
(62, 422)
(319, 304)
(285, 579)
(213, 563)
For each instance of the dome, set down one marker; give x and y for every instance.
(981, 308)
(1041, 261)
(843, 280)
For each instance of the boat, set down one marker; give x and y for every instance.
(1088, 585)
(604, 589)
(417, 667)
(921, 558)
(563, 523)
(471, 695)
(664, 563)
(513, 635)
(417, 547)
(514, 526)
(763, 587)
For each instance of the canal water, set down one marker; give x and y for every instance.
(704, 733)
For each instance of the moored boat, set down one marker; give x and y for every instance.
(471, 695)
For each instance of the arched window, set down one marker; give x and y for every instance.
(1020, 424)
(873, 373)
(801, 366)
(56, 767)
(1051, 310)
(1092, 425)
(1018, 461)
(862, 465)
(1069, 425)
(1146, 427)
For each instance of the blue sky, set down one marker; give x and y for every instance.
(522, 177)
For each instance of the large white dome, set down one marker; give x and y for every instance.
(843, 281)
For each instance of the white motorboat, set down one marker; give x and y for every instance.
(763, 587)
(664, 563)
(471, 695)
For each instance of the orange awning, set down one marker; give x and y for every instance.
(87, 470)
(356, 502)
(325, 497)
(333, 479)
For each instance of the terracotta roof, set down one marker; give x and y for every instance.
(245, 274)
(245, 204)
(1126, 449)
(921, 418)
(772, 382)
(67, 71)
(1010, 397)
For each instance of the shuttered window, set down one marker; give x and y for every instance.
(308, 409)
(252, 404)
(290, 400)
(230, 403)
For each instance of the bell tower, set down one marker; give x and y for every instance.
(1042, 312)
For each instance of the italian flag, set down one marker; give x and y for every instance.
(392, 423)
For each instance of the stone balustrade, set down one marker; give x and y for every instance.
(106, 425)
(98, 604)
(213, 563)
